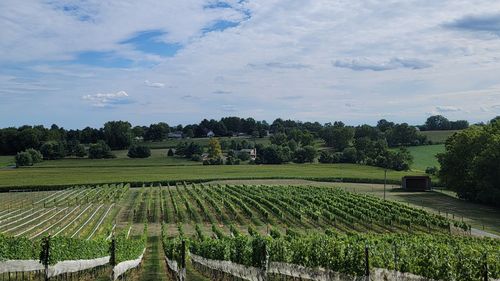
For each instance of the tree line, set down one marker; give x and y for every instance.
(120, 134)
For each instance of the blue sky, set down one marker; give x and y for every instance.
(81, 63)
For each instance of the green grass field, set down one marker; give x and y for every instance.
(158, 158)
(87, 175)
(438, 136)
(425, 156)
(6, 160)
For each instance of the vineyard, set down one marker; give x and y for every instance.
(247, 225)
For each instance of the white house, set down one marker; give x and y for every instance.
(210, 134)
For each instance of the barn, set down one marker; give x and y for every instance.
(416, 183)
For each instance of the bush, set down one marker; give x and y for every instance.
(431, 170)
(328, 157)
(100, 150)
(305, 154)
(52, 150)
(243, 156)
(23, 159)
(170, 152)
(213, 161)
(232, 161)
(349, 155)
(139, 151)
(196, 157)
(36, 156)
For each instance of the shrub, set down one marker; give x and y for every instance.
(23, 159)
(100, 150)
(36, 156)
(196, 157)
(243, 156)
(431, 170)
(349, 155)
(305, 154)
(170, 152)
(139, 151)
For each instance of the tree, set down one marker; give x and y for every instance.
(52, 150)
(279, 139)
(170, 152)
(139, 151)
(23, 159)
(273, 154)
(80, 150)
(100, 150)
(305, 154)
(157, 132)
(349, 155)
(118, 134)
(337, 136)
(437, 122)
(214, 148)
(470, 164)
(36, 156)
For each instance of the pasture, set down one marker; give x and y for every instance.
(425, 156)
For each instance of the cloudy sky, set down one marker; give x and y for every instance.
(79, 63)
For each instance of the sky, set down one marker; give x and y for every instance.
(81, 63)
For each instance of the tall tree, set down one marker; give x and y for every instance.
(118, 134)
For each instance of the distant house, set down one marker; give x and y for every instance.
(252, 152)
(416, 183)
(139, 138)
(210, 134)
(175, 135)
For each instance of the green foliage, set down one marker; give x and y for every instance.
(170, 152)
(100, 150)
(52, 150)
(431, 170)
(440, 257)
(305, 154)
(138, 151)
(23, 159)
(470, 165)
(18, 248)
(65, 248)
(214, 148)
(118, 134)
(36, 156)
(338, 136)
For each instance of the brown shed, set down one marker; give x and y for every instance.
(416, 183)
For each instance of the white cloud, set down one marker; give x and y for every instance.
(154, 84)
(106, 100)
(283, 51)
(360, 64)
(447, 108)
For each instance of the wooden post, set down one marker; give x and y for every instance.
(112, 257)
(45, 256)
(367, 262)
(485, 272)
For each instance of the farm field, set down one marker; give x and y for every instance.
(255, 209)
(43, 176)
(438, 137)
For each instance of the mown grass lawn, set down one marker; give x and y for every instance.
(34, 176)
